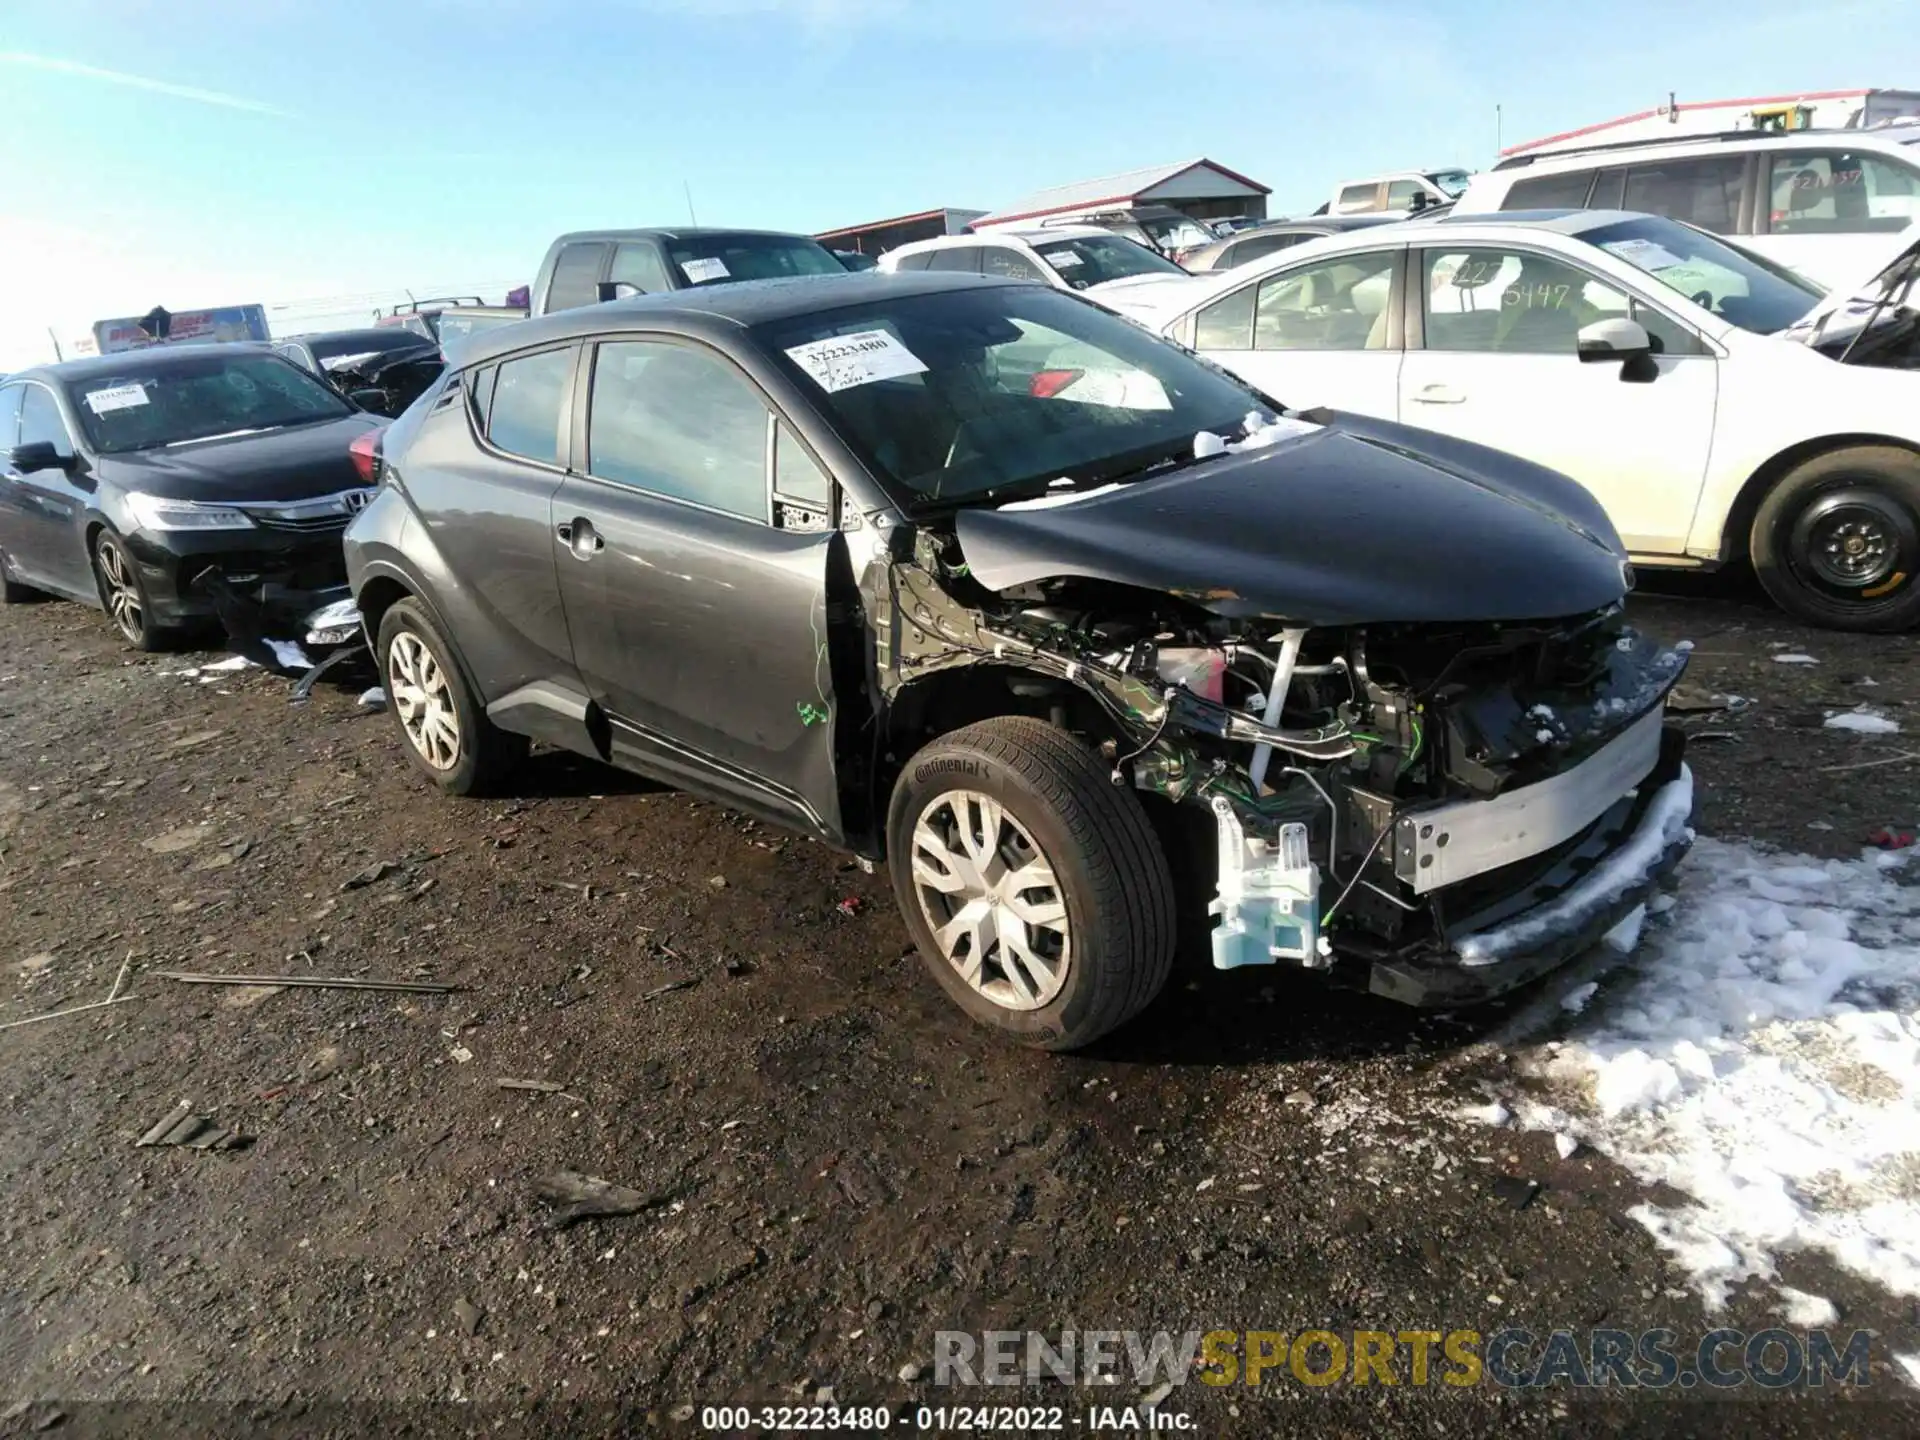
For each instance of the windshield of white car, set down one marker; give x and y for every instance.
(1453, 183)
(1003, 390)
(1095, 259)
(1175, 235)
(143, 407)
(1739, 288)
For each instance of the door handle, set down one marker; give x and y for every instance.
(1438, 395)
(579, 536)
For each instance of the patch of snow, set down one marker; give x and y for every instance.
(1564, 1145)
(288, 654)
(1543, 735)
(1807, 1312)
(1575, 1000)
(232, 662)
(1064, 497)
(1493, 1113)
(374, 699)
(1685, 647)
(1862, 722)
(1910, 1367)
(1793, 657)
(1626, 935)
(1662, 826)
(1761, 1055)
(1206, 445)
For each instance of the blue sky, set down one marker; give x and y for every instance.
(199, 152)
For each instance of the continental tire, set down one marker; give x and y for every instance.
(1035, 888)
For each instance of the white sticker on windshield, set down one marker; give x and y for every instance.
(1650, 255)
(118, 397)
(859, 359)
(701, 270)
(1062, 258)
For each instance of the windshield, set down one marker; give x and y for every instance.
(1739, 288)
(1095, 259)
(995, 390)
(1452, 183)
(720, 259)
(142, 408)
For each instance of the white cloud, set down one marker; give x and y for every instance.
(56, 66)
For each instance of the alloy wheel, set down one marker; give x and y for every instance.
(121, 591)
(423, 699)
(991, 899)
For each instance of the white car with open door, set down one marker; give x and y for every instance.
(1648, 360)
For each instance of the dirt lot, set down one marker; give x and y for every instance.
(841, 1165)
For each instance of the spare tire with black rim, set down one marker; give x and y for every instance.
(1836, 542)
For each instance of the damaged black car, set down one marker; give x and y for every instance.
(980, 580)
(174, 487)
(382, 370)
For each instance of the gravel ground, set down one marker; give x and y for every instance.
(835, 1164)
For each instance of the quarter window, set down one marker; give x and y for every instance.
(1336, 305)
(795, 474)
(40, 420)
(1358, 197)
(576, 276)
(1401, 194)
(1838, 193)
(1517, 303)
(524, 417)
(678, 421)
(1227, 324)
(1706, 192)
(957, 257)
(1567, 191)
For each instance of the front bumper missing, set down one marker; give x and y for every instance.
(1589, 891)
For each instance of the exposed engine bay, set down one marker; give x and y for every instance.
(1404, 795)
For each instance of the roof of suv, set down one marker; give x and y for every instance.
(675, 232)
(1690, 144)
(751, 302)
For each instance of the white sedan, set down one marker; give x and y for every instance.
(1640, 356)
(1068, 257)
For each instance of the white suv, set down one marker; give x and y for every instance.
(1067, 257)
(1641, 357)
(1820, 201)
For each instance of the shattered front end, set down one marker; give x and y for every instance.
(1439, 812)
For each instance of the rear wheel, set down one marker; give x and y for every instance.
(123, 594)
(1836, 542)
(1035, 888)
(442, 725)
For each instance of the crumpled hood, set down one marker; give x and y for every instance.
(1360, 520)
(296, 463)
(1857, 298)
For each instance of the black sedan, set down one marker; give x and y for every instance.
(980, 578)
(382, 368)
(156, 482)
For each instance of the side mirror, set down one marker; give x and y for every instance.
(1614, 339)
(615, 290)
(38, 455)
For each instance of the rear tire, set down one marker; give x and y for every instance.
(1836, 542)
(1092, 929)
(443, 727)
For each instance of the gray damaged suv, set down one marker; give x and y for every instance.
(979, 579)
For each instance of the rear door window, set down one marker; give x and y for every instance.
(576, 275)
(1405, 194)
(1241, 251)
(1838, 192)
(1359, 197)
(1566, 191)
(524, 417)
(1706, 191)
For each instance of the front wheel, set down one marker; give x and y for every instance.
(442, 725)
(1836, 542)
(123, 595)
(1035, 888)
